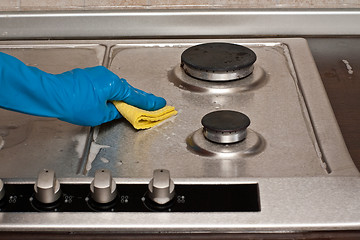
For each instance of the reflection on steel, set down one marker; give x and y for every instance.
(253, 81)
(218, 76)
(253, 144)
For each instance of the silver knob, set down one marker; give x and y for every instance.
(103, 187)
(47, 187)
(161, 187)
(2, 190)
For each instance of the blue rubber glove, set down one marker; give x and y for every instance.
(79, 96)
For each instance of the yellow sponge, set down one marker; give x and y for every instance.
(142, 119)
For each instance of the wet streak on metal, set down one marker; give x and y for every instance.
(85, 157)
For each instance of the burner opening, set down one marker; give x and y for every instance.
(225, 126)
(218, 61)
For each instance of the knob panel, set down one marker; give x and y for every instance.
(75, 198)
(161, 188)
(47, 187)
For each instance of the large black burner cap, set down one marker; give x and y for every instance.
(225, 121)
(215, 57)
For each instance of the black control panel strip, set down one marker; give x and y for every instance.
(133, 198)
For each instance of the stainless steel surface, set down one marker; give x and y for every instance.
(180, 79)
(252, 145)
(170, 23)
(47, 187)
(161, 187)
(103, 187)
(218, 76)
(32, 143)
(282, 111)
(224, 137)
(318, 193)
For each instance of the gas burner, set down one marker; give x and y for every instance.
(182, 80)
(225, 135)
(218, 68)
(225, 126)
(218, 61)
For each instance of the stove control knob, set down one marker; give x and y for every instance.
(103, 187)
(47, 187)
(2, 190)
(161, 189)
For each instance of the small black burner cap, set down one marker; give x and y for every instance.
(225, 126)
(225, 121)
(215, 57)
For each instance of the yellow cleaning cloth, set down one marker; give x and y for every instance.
(142, 119)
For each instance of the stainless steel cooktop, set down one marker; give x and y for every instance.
(293, 152)
(288, 135)
(281, 142)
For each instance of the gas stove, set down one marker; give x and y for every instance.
(254, 146)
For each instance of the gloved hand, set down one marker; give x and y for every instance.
(79, 96)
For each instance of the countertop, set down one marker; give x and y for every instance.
(338, 61)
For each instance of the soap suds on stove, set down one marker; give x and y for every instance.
(81, 140)
(2, 142)
(96, 133)
(348, 66)
(170, 119)
(94, 150)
